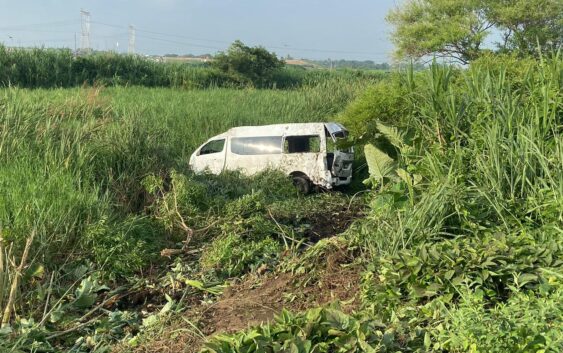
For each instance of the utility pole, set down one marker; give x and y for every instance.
(85, 39)
(131, 47)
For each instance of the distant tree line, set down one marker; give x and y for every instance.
(240, 66)
(352, 64)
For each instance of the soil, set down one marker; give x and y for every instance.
(259, 297)
(257, 300)
(325, 225)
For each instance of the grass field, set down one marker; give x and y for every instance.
(73, 162)
(83, 139)
(110, 243)
(55, 68)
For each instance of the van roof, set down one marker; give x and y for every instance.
(281, 129)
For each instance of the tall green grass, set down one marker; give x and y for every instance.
(47, 68)
(462, 243)
(483, 143)
(73, 161)
(69, 158)
(486, 142)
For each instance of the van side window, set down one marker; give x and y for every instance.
(214, 146)
(256, 145)
(302, 144)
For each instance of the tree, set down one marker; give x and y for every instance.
(457, 28)
(528, 23)
(446, 28)
(246, 64)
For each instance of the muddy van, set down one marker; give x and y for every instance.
(307, 152)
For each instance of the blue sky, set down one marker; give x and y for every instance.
(316, 29)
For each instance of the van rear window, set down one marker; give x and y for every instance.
(256, 145)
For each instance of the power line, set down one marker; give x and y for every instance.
(35, 31)
(134, 33)
(226, 42)
(164, 34)
(69, 39)
(179, 43)
(43, 41)
(57, 23)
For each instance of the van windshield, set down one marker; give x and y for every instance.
(214, 146)
(337, 141)
(336, 130)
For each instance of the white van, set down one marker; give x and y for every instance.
(307, 152)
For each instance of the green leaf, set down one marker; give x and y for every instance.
(391, 133)
(215, 290)
(449, 274)
(526, 278)
(427, 340)
(85, 296)
(458, 280)
(57, 314)
(379, 163)
(167, 307)
(34, 271)
(404, 175)
(150, 320)
(337, 318)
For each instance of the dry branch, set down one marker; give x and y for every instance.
(15, 283)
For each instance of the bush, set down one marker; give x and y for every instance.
(243, 67)
(528, 322)
(493, 265)
(123, 248)
(232, 255)
(384, 101)
(247, 65)
(246, 239)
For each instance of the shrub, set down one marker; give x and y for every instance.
(527, 322)
(248, 65)
(384, 101)
(232, 255)
(123, 247)
(492, 264)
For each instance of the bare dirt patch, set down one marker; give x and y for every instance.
(325, 225)
(255, 301)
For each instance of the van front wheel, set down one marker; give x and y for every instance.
(302, 184)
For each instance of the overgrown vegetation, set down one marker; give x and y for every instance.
(107, 240)
(99, 177)
(462, 243)
(241, 68)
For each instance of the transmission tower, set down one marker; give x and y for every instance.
(85, 38)
(131, 47)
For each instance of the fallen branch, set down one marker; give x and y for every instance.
(284, 234)
(85, 316)
(3, 274)
(15, 283)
